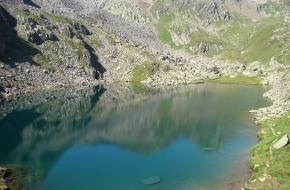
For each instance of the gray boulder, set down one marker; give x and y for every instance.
(282, 142)
(151, 180)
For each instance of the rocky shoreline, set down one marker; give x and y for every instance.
(198, 69)
(270, 133)
(6, 179)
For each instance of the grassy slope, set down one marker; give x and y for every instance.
(242, 39)
(275, 163)
(262, 46)
(234, 35)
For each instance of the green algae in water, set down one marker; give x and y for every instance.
(194, 137)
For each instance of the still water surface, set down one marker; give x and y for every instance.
(111, 138)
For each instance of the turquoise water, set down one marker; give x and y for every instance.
(111, 138)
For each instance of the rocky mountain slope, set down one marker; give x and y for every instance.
(62, 43)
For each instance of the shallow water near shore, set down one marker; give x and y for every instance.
(112, 138)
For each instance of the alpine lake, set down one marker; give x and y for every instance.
(124, 138)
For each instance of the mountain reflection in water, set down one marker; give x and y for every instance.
(209, 117)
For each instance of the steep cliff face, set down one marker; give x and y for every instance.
(7, 32)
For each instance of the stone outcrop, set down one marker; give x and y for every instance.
(68, 31)
(5, 178)
(37, 34)
(81, 28)
(206, 47)
(215, 9)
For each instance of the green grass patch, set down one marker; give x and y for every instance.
(280, 165)
(77, 46)
(59, 18)
(285, 186)
(139, 88)
(143, 70)
(43, 61)
(139, 73)
(239, 79)
(163, 26)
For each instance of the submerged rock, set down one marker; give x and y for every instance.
(151, 180)
(283, 141)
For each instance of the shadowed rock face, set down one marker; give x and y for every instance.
(7, 32)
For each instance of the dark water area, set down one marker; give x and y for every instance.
(112, 138)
